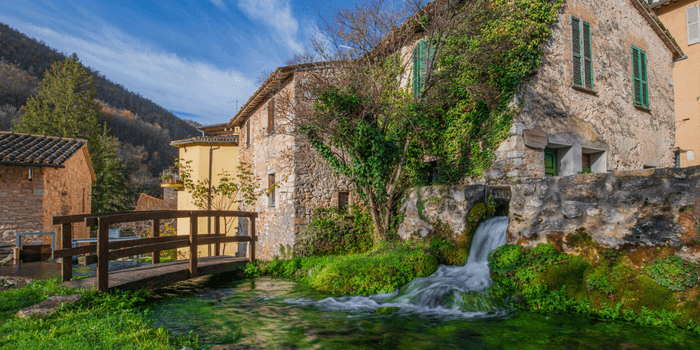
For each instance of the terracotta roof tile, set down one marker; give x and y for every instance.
(37, 150)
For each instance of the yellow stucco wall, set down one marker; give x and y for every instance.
(686, 81)
(224, 158)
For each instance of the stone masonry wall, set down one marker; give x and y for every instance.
(20, 201)
(553, 114)
(68, 191)
(644, 207)
(426, 206)
(27, 206)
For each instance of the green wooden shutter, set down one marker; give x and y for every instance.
(550, 162)
(637, 85)
(576, 51)
(645, 88)
(418, 68)
(587, 56)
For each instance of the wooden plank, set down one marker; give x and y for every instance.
(103, 255)
(204, 240)
(154, 276)
(121, 253)
(143, 241)
(155, 259)
(66, 261)
(252, 239)
(217, 230)
(69, 219)
(194, 224)
(62, 253)
(164, 214)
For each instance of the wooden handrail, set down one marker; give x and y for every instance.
(117, 218)
(107, 251)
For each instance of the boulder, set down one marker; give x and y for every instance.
(48, 306)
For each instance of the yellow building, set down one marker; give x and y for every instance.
(682, 19)
(209, 156)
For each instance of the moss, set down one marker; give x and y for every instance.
(612, 287)
(381, 270)
(334, 232)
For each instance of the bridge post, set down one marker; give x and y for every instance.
(102, 254)
(66, 262)
(217, 230)
(155, 225)
(252, 239)
(194, 224)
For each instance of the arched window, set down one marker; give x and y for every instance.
(420, 64)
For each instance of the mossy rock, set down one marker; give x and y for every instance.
(387, 310)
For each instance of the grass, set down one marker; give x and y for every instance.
(381, 270)
(98, 321)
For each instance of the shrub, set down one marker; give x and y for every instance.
(334, 232)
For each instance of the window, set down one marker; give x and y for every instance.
(581, 50)
(343, 199)
(586, 163)
(420, 65)
(640, 87)
(693, 20)
(677, 156)
(271, 117)
(271, 187)
(550, 162)
(247, 133)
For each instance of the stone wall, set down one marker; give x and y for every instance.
(27, 206)
(645, 207)
(20, 208)
(603, 123)
(426, 206)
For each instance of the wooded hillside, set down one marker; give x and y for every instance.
(144, 129)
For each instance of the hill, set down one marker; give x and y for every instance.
(143, 128)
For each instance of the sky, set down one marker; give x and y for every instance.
(198, 59)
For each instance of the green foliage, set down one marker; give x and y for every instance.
(98, 321)
(545, 280)
(674, 272)
(381, 270)
(380, 134)
(333, 232)
(66, 107)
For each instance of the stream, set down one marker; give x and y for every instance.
(443, 311)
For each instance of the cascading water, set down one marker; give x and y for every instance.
(452, 291)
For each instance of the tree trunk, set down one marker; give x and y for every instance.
(379, 231)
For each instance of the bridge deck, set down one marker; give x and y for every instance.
(158, 275)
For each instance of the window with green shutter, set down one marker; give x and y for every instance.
(420, 65)
(550, 162)
(582, 53)
(640, 87)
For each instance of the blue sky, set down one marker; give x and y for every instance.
(195, 58)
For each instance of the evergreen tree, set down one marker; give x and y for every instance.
(66, 107)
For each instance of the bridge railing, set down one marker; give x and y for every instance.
(106, 250)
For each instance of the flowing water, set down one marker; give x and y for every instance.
(446, 310)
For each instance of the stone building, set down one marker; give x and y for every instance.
(682, 18)
(601, 101)
(283, 161)
(42, 177)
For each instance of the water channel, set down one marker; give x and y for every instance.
(428, 313)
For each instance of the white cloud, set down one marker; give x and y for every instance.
(219, 3)
(276, 14)
(190, 87)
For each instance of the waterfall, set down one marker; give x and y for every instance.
(452, 291)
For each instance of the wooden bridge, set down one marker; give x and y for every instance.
(158, 274)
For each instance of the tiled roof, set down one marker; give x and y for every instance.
(36, 150)
(148, 203)
(207, 139)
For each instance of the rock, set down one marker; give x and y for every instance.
(387, 310)
(48, 306)
(571, 212)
